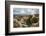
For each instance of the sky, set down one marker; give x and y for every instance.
(25, 11)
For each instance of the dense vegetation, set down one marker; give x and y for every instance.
(26, 21)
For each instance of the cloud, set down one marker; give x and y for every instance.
(27, 11)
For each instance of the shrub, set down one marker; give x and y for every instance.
(34, 20)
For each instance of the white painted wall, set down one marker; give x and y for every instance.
(2, 17)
